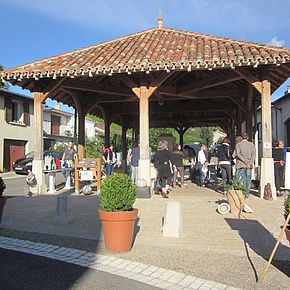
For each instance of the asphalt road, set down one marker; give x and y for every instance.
(23, 271)
(16, 184)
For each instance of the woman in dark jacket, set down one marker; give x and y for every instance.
(177, 162)
(163, 166)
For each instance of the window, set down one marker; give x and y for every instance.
(55, 125)
(16, 112)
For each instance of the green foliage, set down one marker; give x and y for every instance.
(2, 186)
(287, 206)
(236, 185)
(58, 147)
(117, 140)
(154, 133)
(200, 135)
(117, 193)
(95, 118)
(94, 147)
(2, 85)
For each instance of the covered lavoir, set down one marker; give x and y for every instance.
(161, 77)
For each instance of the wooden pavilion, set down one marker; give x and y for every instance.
(160, 77)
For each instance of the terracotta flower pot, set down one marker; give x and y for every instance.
(118, 229)
(2, 204)
(287, 232)
(236, 200)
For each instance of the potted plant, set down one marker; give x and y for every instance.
(236, 196)
(116, 212)
(286, 213)
(2, 198)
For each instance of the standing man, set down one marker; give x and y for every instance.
(135, 156)
(69, 153)
(225, 159)
(110, 159)
(245, 154)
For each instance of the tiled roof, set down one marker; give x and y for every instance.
(150, 50)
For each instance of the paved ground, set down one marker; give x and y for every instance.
(225, 249)
(16, 183)
(36, 272)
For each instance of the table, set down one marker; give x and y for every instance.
(51, 178)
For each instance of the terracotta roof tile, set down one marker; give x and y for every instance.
(153, 49)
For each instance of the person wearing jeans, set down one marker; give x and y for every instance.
(110, 159)
(245, 154)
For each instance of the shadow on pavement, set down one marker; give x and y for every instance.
(261, 241)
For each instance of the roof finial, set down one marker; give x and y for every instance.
(160, 20)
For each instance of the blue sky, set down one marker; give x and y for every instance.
(35, 29)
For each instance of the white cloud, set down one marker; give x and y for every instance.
(275, 41)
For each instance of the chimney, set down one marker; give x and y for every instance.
(160, 21)
(57, 106)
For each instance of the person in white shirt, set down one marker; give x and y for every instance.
(201, 165)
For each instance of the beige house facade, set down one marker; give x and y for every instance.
(16, 122)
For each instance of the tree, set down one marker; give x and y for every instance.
(94, 147)
(154, 133)
(2, 85)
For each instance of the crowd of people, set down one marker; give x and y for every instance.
(235, 163)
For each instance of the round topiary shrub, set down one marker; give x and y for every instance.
(117, 193)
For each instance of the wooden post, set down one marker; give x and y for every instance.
(266, 119)
(107, 131)
(124, 144)
(75, 126)
(239, 121)
(249, 113)
(267, 164)
(144, 162)
(81, 134)
(37, 164)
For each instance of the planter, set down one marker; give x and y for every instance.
(118, 229)
(236, 200)
(2, 204)
(287, 232)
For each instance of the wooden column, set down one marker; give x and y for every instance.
(37, 164)
(144, 123)
(75, 125)
(266, 119)
(239, 121)
(267, 164)
(81, 134)
(181, 131)
(107, 132)
(143, 91)
(124, 140)
(249, 113)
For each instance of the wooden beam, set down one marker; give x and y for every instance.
(97, 88)
(210, 94)
(238, 102)
(249, 113)
(250, 78)
(208, 83)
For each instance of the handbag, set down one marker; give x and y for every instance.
(157, 185)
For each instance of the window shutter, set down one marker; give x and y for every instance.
(8, 109)
(26, 114)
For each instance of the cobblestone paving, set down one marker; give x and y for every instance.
(151, 275)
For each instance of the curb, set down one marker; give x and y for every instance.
(147, 274)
